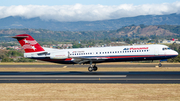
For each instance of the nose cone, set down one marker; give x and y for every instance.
(172, 53)
(175, 53)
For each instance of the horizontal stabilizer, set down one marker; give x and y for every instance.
(19, 37)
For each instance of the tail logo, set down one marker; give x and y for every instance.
(29, 44)
(33, 48)
(25, 41)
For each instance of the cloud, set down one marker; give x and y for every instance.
(79, 12)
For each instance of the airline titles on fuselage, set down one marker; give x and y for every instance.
(141, 48)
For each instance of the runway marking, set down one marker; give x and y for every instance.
(93, 79)
(62, 76)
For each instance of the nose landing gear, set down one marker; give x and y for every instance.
(160, 65)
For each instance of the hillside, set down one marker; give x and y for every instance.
(161, 31)
(36, 23)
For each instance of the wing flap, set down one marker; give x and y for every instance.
(80, 60)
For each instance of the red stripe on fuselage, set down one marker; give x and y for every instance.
(68, 59)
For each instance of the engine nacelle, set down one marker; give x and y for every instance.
(59, 55)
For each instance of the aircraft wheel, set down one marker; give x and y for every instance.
(160, 65)
(90, 69)
(95, 68)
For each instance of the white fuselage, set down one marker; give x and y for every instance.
(104, 54)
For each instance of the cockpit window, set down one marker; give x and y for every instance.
(167, 48)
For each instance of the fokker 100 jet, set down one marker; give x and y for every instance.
(93, 55)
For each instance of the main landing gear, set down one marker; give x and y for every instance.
(93, 68)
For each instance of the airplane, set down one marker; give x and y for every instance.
(94, 55)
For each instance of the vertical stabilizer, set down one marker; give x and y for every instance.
(28, 43)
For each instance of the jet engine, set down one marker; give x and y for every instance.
(59, 55)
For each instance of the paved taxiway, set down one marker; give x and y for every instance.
(89, 77)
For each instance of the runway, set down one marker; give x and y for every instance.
(90, 77)
(99, 65)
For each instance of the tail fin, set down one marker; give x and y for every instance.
(28, 43)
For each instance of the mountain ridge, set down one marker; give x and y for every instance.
(113, 24)
(161, 31)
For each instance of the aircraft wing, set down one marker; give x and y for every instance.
(88, 59)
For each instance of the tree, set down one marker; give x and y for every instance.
(144, 38)
(127, 40)
(7, 60)
(77, 46)
(142, 25)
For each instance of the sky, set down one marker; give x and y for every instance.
(83, 10)
(83, 2)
